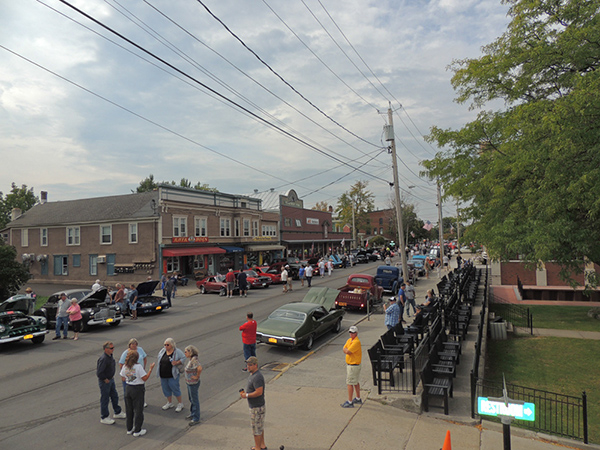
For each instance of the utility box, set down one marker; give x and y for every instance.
(498, 330)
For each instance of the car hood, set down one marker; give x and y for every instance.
(321, 296)
(16, 303)
(99, 295)
(146, 288)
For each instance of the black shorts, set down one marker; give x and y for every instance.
(76, 325)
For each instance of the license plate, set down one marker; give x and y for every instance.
(109, 320)
(343, 304)
(28, 336)
(158, 307)
(271, 340)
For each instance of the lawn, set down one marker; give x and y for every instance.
(564, 318)
(565, 366)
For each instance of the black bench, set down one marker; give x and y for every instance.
(384, 364)
(435, 386)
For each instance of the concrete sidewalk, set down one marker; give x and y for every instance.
(303, 411)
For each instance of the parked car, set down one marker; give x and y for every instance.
(335, 259)
(255, 280)
(17, 325)
(215, 283)
(418, 261)
(146, 301)
(361, 257)
(292, 271)
(95, 309)
(264, 271)
(389, 278)
(359, 291)
(299, 324)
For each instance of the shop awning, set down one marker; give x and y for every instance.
(265, 247)
(230, 249)
(189, 251)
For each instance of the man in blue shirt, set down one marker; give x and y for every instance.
(392, 313)
(401, 300)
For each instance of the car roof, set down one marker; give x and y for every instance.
(299, 306)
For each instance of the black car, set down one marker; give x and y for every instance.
(362, 258)
(146, 301)
(95, 309)
(16, 325)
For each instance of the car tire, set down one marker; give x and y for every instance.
(338, 326)
(309, 343)
(38, 339)
(115, 324)
(202, 290)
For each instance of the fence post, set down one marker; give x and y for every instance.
(472, 395)
(413, 371)
(585, 417)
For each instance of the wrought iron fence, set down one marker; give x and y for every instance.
(517, 315)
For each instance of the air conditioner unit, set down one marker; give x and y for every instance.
(101, 259)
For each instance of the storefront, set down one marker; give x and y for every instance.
(263, 254)
(193, 262)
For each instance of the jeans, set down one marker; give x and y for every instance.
(108, 392)
(410, 302)
(309, 280)
(249, 350)
(62, 321)
(134, 406)
(194, 401)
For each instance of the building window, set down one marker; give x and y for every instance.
(246, 227)
(94, 265)
(105, 234)
(133, 233)
(24, 237)
(374, 230)
(173, 264)
(61, 265)
(255, 228)
(179, 226)
(236, 227)
(381, 221)
(269, 230)
(73, 236)
(198, 262)
(287, 222)
(381, 230)
(225, 227)
(298, 223)
(76, 260)
(44, 237)
(200, 226)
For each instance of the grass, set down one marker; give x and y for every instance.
(564, 318)
(561, 365)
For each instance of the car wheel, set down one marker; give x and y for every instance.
(38, 339)
(223, 292)
(202, 290)
(115, 324)
(338, 326)
(309, 343)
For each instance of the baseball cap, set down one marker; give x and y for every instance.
(353, 329)
(392, 299)
(252, 360)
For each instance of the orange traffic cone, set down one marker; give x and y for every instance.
(447, 443)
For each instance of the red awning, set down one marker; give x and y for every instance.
(188, 251)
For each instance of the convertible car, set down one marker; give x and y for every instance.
(215, 283)
(146, 301)
(299, 324)
(17, 325)
(94, 308)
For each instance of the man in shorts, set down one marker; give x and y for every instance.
(230, 280)
(353, 352)
(255, 393)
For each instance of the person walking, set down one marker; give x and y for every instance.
(401, 296)
(308, 273)
(230, 280)
(255, 393)
(329, 267)
(193, 369)
(353, 351)
(301, 275)
(321, 267)
(135, 376)
(170, 366)
(62, 317)
(170, 289)
(143, 358)
(284, 278)
(392, 313)
(75, 317)
(409, 293)
(132, 302)
(289, 278)
(243, 284)
(105, 371)
(248, 329)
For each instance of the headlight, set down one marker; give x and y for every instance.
(146, 305)
(42, 320)
(2, 329)
(118, 308)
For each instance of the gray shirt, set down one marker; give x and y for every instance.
(63, 305)
(255, 381)
(409, 291)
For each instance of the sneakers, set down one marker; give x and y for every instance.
(193, 422)
(55, 338)
(168, 405)
(107, 421)
(145, 405)
(129, 431)
(347, 404)
(65, 337)
(141, 433)
(121, 415)
(357, 401)
(179, 407)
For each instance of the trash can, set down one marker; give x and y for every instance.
(498, 329)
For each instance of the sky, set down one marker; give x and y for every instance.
(242, 95)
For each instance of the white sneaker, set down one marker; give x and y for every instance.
(121, 415)
(107, 421)
(141, 433)
(145, 405)
(179, 407)
(129, 431)
(167, 405)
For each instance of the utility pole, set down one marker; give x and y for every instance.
(440, 227)
(353, 224)
(390, 138)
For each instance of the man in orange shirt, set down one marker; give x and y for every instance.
(353, 351)
(248, 330)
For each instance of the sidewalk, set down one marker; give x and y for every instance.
(303, 411)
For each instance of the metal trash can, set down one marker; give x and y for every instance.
(498, 330)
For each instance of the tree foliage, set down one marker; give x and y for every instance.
(359, 199)
(149, 184)
(530, 172)
(321, 206)
(13, 274)
(19, 197)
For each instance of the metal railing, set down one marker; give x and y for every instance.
(517, 315)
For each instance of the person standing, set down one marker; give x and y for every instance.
(353, 351)
(193, 369)
(170, 289)
(409, 294)
(284, 278)
(96, 286)
(392, 314)
(143, 358)
(75, 317)
(248, 330)
(135, 376)
(255, 393)
(32, 299)
(401, 296)
(132, 302)
(163, 283)
(105, 371)
(170, 366)
(308, 273)
(388, 260)
(243, 284)
(230, 280)
(321, 267)
(289, 278)
(301, 275)
(329, 267)
(62, 317)
(120, 296)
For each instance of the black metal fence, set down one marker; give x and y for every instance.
(517, 315)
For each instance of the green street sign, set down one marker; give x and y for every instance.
(518, 410)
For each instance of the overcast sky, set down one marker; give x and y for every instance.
(84, 113)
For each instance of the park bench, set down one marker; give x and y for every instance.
(437, 387)
(384, 364)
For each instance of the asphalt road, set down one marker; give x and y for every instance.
(50, 396)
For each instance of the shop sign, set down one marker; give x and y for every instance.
(188, 240)
(262, 238)
(310, 221)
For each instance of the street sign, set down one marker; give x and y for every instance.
(519, 410)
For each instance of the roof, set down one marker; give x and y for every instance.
(98, 209)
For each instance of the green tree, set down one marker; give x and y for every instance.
(321, 206)
(359, 199)
(19, 197)
(149, 184)
(530, 173)
(13, 274)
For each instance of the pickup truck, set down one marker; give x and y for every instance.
(360, 290)
(389, 278)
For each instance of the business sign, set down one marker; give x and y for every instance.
(189, 240)
(310, 221)
(520, 410)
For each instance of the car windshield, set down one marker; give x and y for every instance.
(220, 278)
(359, 280)
(251, 273)
(284, 314)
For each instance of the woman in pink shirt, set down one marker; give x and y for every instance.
(75, 317)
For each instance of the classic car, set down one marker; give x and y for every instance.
(255, 280)
(389, 278)
(146, 301)
(299, 324)
(359, 292)
(17, 325)
(418, 262)
(362, 257)
(263, 271)
(94, 305)
(214, 283)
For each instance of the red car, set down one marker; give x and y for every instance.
(255, 280)
(215, 283)
(263, 271)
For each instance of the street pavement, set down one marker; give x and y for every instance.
(303, 409)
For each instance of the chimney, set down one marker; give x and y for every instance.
(15, 214)
(43, 197)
